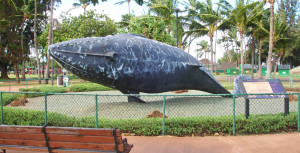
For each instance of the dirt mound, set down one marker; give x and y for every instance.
(19, 102)
(292, 89)
(156, 113)
(180, 91)
(293, 98)
(295, 70)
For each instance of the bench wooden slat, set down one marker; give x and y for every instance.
(89, 139)
(55, 130)
(76, 145)
(23, 136)
(60, 145)
(44, 149)
(21, 129)
(23, 142)
(55, 137)
(82, 131)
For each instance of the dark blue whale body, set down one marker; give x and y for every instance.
(132, 63)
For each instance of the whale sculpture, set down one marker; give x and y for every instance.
(133, 63)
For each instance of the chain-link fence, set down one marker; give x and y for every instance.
(100, 108)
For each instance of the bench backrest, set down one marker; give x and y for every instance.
(61, 137)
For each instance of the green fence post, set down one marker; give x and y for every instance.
(96, 102)
(83, 81)
(229, 81)
(298, 113)
(8, 85)
(1, 108)
(45, 82)
(45, 108)
(291, 81)
(163, 124)
(233, 125)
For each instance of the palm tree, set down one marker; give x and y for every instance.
(35, 43)
(49, 40)
(252, 27)
(82, 3)
(269, 64)
(164, 9)
(241, 17)
(206, 22)
(280, 29)
(128, 2)
(281, 48)
(261, 33)
(203, 47)
(27, 14)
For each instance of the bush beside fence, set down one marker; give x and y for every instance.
(185, 126)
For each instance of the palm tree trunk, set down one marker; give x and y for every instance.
(128, 1)
(49, 41)
(35, 44)
(259, 59)
(211, 54)
(22, 46)
(190, 45)
(23, 69)
(276, 65)
(242, 53)
(245, 56)
(236, 45)
(215, 53)
(269, 65)
(16, 68)
(252, 58)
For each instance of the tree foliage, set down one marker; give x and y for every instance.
(90, 24)
(152, 28)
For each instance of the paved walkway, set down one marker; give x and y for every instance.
(277, 143)
(271, 143)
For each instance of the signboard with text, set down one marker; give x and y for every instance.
(262, 86)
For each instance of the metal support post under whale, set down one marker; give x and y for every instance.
(133, 63)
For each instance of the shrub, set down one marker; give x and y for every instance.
(88, 87)
(9, 97)
(47, 89)
(17, 116)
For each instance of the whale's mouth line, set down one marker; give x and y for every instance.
(55, 57)
(110, 54)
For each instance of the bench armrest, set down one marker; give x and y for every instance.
(127, 147)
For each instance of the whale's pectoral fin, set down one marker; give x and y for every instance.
(195, 66)
(136, 98)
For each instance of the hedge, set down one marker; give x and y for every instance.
(8, 97)
(89, 87)
(180, 126)
(46, 89)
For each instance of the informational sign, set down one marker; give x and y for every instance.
(262, 86)
(266, 87)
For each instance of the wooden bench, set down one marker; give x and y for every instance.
(62, 139)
